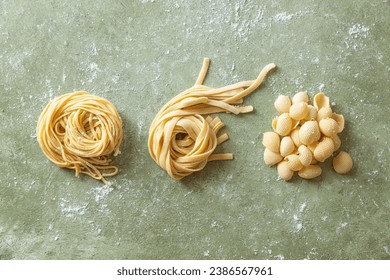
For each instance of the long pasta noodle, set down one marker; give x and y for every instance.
(182, 138)
(81, 131)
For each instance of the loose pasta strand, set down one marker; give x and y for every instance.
(81, 131)
(181, 139)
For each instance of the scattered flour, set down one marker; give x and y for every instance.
(93, 70)
(101, 193)
(71, 211)
(302, 207)
(358, 30)
(297, 221)
(284, 17)
(93, 49)
(357, 35)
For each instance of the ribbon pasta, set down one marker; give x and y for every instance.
(181, 140)
(81, 131)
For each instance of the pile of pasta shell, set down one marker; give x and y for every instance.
(303, 135)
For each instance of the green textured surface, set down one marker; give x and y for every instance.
(139, 54)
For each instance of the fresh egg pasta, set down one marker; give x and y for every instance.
(81, 131)
(182, 139)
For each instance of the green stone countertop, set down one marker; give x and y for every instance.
(138, 55)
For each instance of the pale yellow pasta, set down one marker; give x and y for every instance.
(81, 131)
(284, 171)
(299, 111)
(340, 122)
(271, 140)
(337, 142)
(312, 114)
(310, 172)
(283, 124)
(342, 163)
(181, 140)
(328, 127)
(282, 104)
(323, 113)
(309, 135)
(300, 97)
(324, 149)
(294, 162)
(305, 155)
(271, 158)
(295, 136)
(286, 146)
(320, 100)
(309, 132)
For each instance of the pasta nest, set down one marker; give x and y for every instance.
(81, 131)
(182, 139)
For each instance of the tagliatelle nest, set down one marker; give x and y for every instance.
(81, 131)
(181, 139)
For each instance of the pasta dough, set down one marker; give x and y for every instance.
(81, 131)
(181, 140)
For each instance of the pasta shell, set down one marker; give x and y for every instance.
(282, 104)
(284, 171)
(271, 158)
(271, 141)
(328, 127)
(274, 122)
(342, 163)
(302, 122)
(320, 101)
(340, 122)
(309, 132)
(294, 162)
(310, 172)
(336, 142)
(305, 155)
(324, 149)
(312, 114)
(286, 146)
(312, 146)
(324, 113)
(298, 111)
(295, 124)
(295, 136)
(282, 125)
(300, 97)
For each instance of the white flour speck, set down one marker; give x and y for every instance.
(101, 193)
(93, 49)
(358, 30)
(283, 17)
(93, 69)
(71, 211)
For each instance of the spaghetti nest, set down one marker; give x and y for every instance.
(81, 131)
(181, 139)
